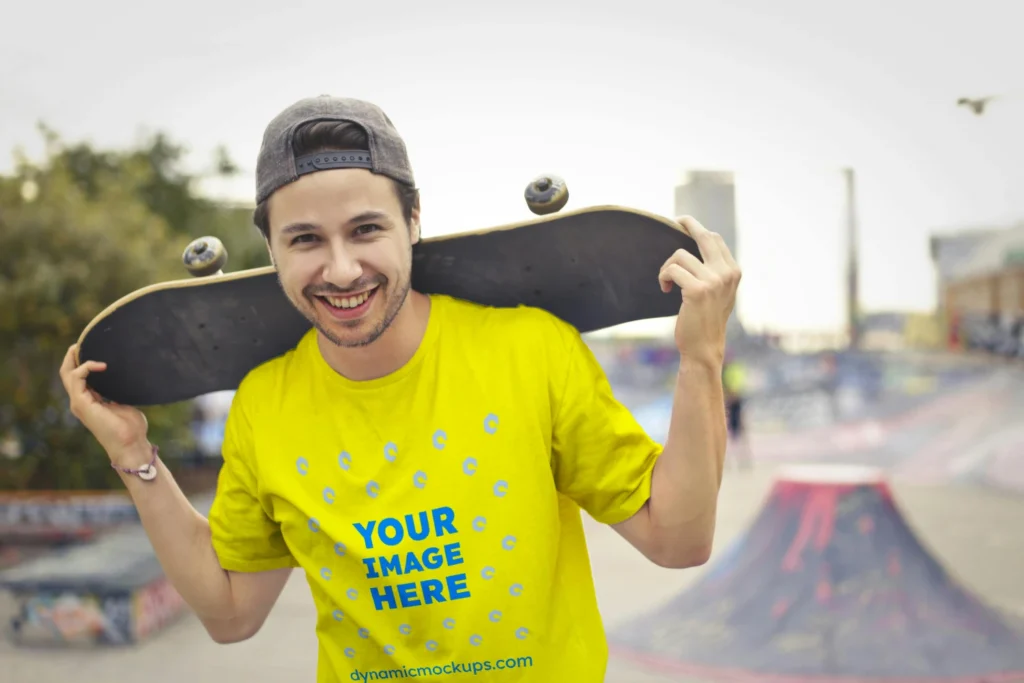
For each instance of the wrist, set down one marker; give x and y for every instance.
(131, 459)
(701, 362)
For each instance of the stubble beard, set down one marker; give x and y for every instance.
(393, 300)
(394, 305)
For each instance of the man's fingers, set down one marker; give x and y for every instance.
(674, 273)
(683, 258)
(74, 377)
(710, 249)
(725, 252)
(83, 370)
(69, 361)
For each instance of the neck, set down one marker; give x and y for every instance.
(389, 352)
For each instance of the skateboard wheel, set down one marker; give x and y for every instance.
(204, 256)
(546, 194)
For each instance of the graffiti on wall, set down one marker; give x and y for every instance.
(48, 512)
(155, 606)
(76, 617)
(73, 617)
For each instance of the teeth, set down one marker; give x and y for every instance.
(348, 302)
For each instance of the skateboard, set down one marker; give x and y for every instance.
(594, 268)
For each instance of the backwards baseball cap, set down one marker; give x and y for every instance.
(277, 164)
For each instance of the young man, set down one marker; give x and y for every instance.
(424, 460)
(734, 383)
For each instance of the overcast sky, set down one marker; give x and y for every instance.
(619, 98)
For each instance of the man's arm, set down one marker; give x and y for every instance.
(231, 605)
(676, 526)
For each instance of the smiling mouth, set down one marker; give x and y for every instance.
(348, 306)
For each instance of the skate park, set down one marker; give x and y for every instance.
(879, 544)
(868, 521)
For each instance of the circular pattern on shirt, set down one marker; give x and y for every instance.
(491, 423)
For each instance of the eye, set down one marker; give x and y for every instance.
(367, 228)
(305, 237)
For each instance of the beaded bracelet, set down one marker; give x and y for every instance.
(147, 472)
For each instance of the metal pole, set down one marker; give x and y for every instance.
(852, 299)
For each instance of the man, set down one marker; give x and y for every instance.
(424, 460)
(734, 379)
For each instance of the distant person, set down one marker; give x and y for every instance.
(734, 382)
(423, 459)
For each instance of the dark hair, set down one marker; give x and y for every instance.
(324, 136)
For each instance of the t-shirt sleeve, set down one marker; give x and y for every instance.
(245, 537)
(602, 457)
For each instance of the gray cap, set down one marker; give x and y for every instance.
(277, 164)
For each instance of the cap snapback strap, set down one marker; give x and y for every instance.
(325, 160)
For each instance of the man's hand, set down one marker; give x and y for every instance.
(708, 290)
(676, 527)
(121, 430)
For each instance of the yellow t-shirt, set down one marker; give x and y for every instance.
(436, 511)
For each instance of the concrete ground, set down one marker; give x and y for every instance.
(975, 531)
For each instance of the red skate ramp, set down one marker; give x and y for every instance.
(828, 583)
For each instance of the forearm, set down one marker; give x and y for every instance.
(688, 475)
(181, 539)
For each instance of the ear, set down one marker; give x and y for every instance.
(270, 252)
(414, 225)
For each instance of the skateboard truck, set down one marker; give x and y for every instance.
(546, 194)
(205, 256)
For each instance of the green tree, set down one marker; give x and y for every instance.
(78, 230)
(170, 192)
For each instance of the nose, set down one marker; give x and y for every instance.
(342, 267)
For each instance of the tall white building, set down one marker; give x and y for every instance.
(710, 197)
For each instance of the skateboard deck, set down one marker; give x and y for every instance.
(594, 268)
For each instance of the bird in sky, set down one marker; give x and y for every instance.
(976, 105)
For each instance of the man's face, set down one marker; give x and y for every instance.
(343, 252)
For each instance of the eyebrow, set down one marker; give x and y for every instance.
(368, 216)
(297, 227)
(294, 228)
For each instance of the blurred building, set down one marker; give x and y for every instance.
(980, 280)
(710, 197)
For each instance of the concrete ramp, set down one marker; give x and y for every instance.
(828, 583)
